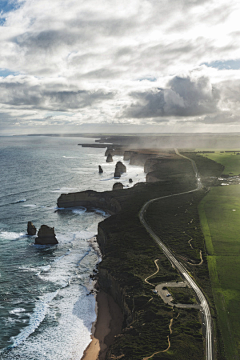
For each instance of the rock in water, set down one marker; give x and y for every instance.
(119, 169)
(100, 170)
(117, 186)
(31, 229)
(46, 236)
(130, 181)
(117, 174)
(109, 158)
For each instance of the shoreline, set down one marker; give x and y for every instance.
(107, 325)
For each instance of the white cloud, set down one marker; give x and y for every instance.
(94, 55)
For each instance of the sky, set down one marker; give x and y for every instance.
(119, 66)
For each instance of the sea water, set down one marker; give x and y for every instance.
(46, 308)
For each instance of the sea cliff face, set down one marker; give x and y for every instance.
(90, 199)
(137, 158)
(106, 279)
(111, 286)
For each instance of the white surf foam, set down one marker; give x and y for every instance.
(101, 212)
(17, 311)
(10, 235)
(70, 337)
(79, 211)
(64, 190)
(35, 320)
(71, 157)
(30, 205)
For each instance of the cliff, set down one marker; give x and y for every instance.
(128, 255)
(90, 199)
(137, 157)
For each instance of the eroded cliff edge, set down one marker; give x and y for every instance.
(90, 199)
(128, 258)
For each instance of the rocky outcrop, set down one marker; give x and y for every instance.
(109, 158)
(90, 199)
(31, 229)
(117, 186)
(46, 236)
(100, 170)
(119, 169)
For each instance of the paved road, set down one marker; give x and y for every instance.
(202, 300)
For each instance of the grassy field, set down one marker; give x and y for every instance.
(230, 161)
(220, 215)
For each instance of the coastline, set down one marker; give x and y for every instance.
(107, 326)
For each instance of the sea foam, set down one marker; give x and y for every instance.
(10, 235)
(35, 319)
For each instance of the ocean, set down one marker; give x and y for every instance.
(46, 308)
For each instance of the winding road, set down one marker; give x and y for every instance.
(202, 300)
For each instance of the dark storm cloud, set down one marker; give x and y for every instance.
(183, 97)
(25, 95)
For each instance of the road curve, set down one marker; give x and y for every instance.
(202, 300)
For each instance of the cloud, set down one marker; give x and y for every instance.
(26, 92)
(97, 61)
(185, 96)
(223, 118)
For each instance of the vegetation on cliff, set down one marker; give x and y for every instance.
(152, 329)
(128, 258)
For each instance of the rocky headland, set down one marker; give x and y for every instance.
(91, 200)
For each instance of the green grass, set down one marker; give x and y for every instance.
(182, 295)
(230, 161)
(221, 228)
(221, 220)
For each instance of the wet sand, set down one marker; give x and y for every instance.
(108, 324)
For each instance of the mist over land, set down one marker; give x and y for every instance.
(183, 141)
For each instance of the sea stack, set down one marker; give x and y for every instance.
(100, 170)
(117, 186)
(46, 236)
(31, 229)
(119, 169)
(109, 158)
